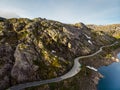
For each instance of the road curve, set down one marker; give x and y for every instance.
(75, 69)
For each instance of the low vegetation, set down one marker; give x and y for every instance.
(40, 49)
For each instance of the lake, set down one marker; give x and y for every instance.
(111, 73)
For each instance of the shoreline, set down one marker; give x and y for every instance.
(115, 53)
(85, 75)
(116, 60)
(96, 76)
(81, 79)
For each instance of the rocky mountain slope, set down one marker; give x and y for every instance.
(112, 30)
(40, 49)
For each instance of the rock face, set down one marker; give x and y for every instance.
(23, 69)
(113, 29)
(6, 64)
(41, 49)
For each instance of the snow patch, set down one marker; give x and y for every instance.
(92, 68)
(87, 36)
(53, 51)
(90, 42)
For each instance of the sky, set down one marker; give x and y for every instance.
(66, 11)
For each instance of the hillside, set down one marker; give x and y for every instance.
(112, 30)
(40, 49)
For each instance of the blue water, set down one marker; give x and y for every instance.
(118, 56)
(111, 80)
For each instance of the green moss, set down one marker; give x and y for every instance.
(1, 28)
(108, 56)
(55, 62)
(50, 58)
(22, 46)
(117, 36)
(22, 34)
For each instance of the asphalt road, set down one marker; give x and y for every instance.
(75, 69)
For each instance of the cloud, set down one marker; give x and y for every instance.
(11, 12)
(67, 11)
(8, 15)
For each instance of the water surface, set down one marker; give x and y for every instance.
(111, 73)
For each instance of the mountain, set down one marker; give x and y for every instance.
(40, 49)
(2, 19)
(112, 30)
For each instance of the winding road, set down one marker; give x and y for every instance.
(75, 69)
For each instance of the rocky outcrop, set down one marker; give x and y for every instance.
(6, 64)
(113, 29)
(81, 25)
(40, 49)
(23, 69)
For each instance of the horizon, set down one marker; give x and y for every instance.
(98, 12)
